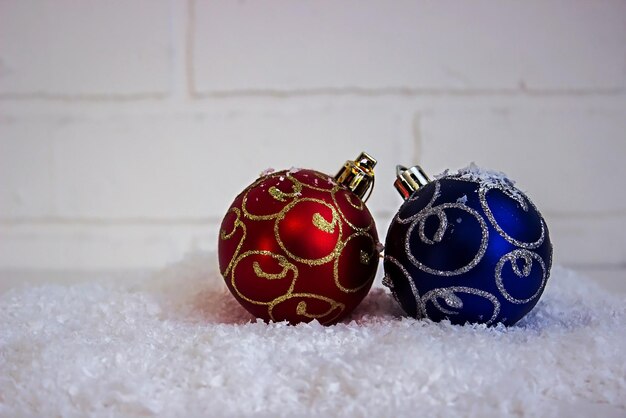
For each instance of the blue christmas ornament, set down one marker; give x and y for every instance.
(468, 247)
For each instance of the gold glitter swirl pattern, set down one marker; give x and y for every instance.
(360, 206)
(228, 235)
(301, 308)
(322, 224)
(316, 183)
(256, 267)
(309, 304)
(335, 217)
(274, 192)
(282, 262)
(281, 196)
(364, 257)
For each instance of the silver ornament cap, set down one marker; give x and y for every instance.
(408, 180)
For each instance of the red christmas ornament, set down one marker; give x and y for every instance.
(299, 245)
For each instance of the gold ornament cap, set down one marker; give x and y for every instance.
(358, 175)
(409, 180)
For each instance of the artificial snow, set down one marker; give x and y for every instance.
(178, 344)
(267, 172)
(485, 177)
(480, 174)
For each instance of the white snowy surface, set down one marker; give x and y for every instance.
(178, 344)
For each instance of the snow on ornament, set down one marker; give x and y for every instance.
(467, 246)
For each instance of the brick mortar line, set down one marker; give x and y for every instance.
(95, 97)
(189, 45)
(407, 92)
(399, 92)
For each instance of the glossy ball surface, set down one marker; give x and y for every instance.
(468, 249)
(297, 246)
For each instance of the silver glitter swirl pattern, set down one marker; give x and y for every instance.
(413, 197)
(439, 211)
(421, 309)
(528, 257)
(448, 294)
(523, 202)
(453, 303)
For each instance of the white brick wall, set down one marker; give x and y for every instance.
(127, 127)
(408, 45)
(84, 48)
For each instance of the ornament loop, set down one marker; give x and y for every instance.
(358, 176)
(409, 180)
